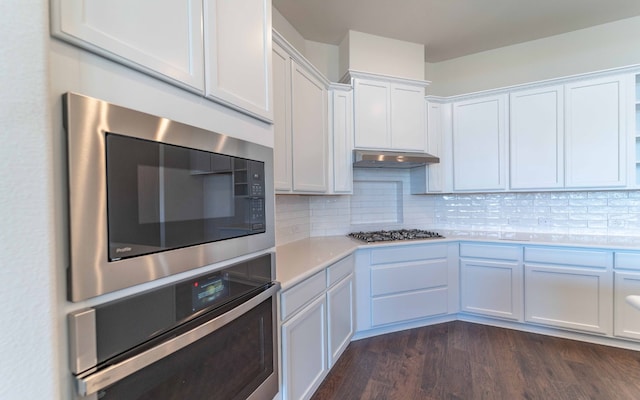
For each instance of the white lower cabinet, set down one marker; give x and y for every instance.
(405, 283)
(317, 325)
(304, 351)
(626, 317)
(491, 281)
(569, 288)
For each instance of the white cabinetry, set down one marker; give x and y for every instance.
(491, 280)
(627, 283)
(536, 138)
(341, 138)
(166, 39)
(404, 284)
(317, 325)
(388, 113)
(300, 125)
(595, 133)
(479, 144)
(569, 288)
(634, 126)
(238, 54)
(435, 178)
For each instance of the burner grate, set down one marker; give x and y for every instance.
(400, 234)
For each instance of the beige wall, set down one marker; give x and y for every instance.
(380, 55)
(597, 48)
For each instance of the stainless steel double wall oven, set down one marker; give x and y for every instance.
(148, 198)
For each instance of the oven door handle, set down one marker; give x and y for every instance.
(92, 382)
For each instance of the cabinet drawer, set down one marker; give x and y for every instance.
(408, 306)
(408, 253)
(584, 258)
(405, 277)
(627, 260)
(295, 298)
(494, 252)
(339, 270)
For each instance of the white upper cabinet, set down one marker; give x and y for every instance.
(237, 52)
(309, 130)
(595, 133)
(388, 113)
(479, 144)
(341, 138)
(225, 43)
(282, 119)
(537, 138)
(301, 124)
(162, 38)
(407, 117)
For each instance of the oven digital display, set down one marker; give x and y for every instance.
(207, 291)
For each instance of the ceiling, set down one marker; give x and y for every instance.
(450, 28)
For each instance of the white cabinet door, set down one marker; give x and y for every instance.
(492, 288)
(479, 144)
(595, 133)
(342, 140)
(304, 352)
(282, 119)
(160, 37)
(340, 322)
(567, 297)
(407, 118)
(372, 114)
(238, 51)
(626, 317)
(536, 138)
(309, 129)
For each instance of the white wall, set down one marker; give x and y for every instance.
(28, 271)
(283, 27)
(597, 48)
(324, 57)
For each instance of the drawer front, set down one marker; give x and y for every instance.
(408, 306)
(408, 253)
(583, 258)
(339, 270)
(494, 252)
(406, 277)
(295, 298)
(627, 260)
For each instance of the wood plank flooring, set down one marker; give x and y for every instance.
(463, 361)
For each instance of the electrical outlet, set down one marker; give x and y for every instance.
(544, 221)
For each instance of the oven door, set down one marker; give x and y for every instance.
(231, 357)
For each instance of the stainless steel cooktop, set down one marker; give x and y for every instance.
(400, 234)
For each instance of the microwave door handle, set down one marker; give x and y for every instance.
(91, 383)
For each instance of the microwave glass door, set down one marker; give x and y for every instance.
(163, 197)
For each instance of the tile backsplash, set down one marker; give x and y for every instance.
(381, 200)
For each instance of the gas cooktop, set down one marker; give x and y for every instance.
(400, 234)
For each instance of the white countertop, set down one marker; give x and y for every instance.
(301, 259)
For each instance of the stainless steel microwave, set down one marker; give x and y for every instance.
(150, 197)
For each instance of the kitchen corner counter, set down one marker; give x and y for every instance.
(299, 260)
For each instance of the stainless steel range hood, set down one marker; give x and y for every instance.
(391, 159)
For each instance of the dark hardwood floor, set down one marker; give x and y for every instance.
(461, 360)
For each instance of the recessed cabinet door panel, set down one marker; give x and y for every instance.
(595, 133)
(537, 139)
(309, 127)
(479, 147)
(238, 48)
(626, 317)
(342, 141)
(159, 37)
(281, 119)
(407, 118)
(304, 358)
(492, 288)
(573, 298)
(372, 116)
(339, 318)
